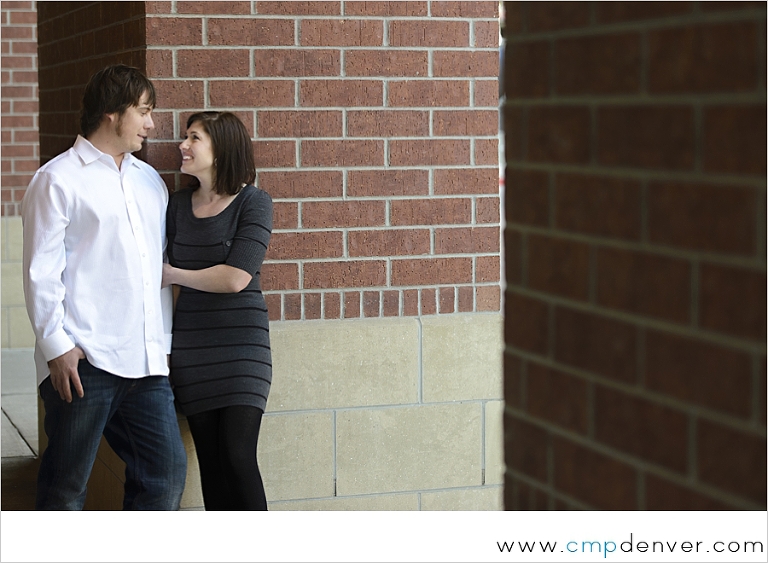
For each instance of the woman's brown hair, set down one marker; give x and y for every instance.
(232, 151)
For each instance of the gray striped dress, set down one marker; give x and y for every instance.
(221, 354)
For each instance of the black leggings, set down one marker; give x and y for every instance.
(225, 440)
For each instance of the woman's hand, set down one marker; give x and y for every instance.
(168, 274)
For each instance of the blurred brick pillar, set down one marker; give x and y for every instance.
(635, 371)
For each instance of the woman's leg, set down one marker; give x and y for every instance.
(239, 435)
(205, 429)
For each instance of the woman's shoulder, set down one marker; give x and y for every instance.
(255, 196)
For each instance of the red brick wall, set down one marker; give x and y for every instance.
(375, 131)
(20, 154)
(635, 371)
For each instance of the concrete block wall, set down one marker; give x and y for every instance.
(635, 366)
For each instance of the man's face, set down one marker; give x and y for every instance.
(133, 126)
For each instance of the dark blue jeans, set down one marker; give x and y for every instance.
(138, 419)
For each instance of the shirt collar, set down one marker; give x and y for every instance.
(89, 153)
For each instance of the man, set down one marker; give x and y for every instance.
(94, 237)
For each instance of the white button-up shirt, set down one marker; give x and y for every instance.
(94, 241)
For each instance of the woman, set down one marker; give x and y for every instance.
(221, 366)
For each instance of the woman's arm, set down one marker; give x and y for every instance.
(216, 279)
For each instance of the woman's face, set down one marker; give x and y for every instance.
(197, 152)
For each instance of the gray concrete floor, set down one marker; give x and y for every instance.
(19, 447)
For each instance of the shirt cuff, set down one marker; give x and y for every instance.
(168, 342)
(55, 345)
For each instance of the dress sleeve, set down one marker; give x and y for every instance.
(254, 229)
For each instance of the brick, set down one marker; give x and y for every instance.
(641, 428)
(351, 304)
(734, 139)
(486, 152)
(387, 182)
(250, 93)
(465, 181)
(298, 184)
(344, 273)
(644, 284)
(614, 12)
(341, 93)
(210, 63)
(466, 9)
(428, 93)
(434, 211)
(593, 478)
(371, 303)
(426, 33)
(246, 117)
(331, 305)
(312, 306)
(527, 197)
(297, 62)
(341, 33)
(279, 276)
(598, 205)
(327, 214)
(488, 298)
(731, 6)
(446, 300)
(410, 302)
(285, 215)
(385, 8)
(665, 495)
(559, 134)
(428, 301)
(525, 447)
(527, 69)
(466, 240)
(487, 210)
(513, 241)
(342, 153)
(159, 63)
(733, 301)
(297, 246)
(384, 123)
(179, 94)
(174, 31)
(527, 323)
(251, 32)
(302, 8)
(600, 345)
(431, 271)
(465, 123)
(660, 137)
(390, 303)
(299, 123)
(702, 217)
(209, 8)
(603, 64)
(292, 307)
(163, 156)
(732, 460)
(274, 306)
(485, 93)
(550, 16)
(558, 266)
(386, 63)
(429, 152)
(15, 61)
(703, 58)
(466, 299)
(699, 372)
(514, 388)
(389, 243)
(486, 34)
(465, 63)
(274, 154)
(557, 397)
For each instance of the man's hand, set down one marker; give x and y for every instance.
(64, 372)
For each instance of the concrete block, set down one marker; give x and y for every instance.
(5, 331)
(21, 335)
(462, 357)
(13, 248)
(296, 455)
(22, 412)
(494, 443)
(17, 371)
(11, 441)
(12, 292)
(408, 448)
(481, 498)
(338, 364)
(398, 502)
